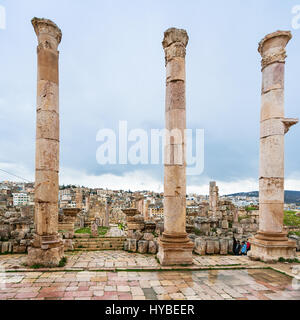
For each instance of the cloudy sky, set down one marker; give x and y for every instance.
(112, 69)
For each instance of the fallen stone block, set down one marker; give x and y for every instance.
(143, 246)
(200, 246)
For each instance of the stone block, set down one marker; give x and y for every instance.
(217, 246)
(224, 246)
(175, 95)
(68, 245)
(143, 246)
(148, 236)
(225, 224)
(132, 245)
(152, 247)
(138, 235)
(47, 98)
(47, 152)
(210, 247)
(230, 246)
(47, 258)
(200, 246)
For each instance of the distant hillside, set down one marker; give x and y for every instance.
(289, 196)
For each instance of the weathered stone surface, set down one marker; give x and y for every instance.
(174, 245)
(132, 245)
(225, 224)
(230, 246)
(43, 251)
(271, 242)
(297, 240)
(47, 258)
(138, 235)
(148, 236)
(152, 247)
(200, 246)
(217, 246)
(210, 247)
(143, 246)
(224, 243)
(68, 245)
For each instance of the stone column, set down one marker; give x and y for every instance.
(107, 211)
(146, 210)
(174, 245)
(271, 242)
(213, 197)
(47, 247)
(87, 203)
(78, 198)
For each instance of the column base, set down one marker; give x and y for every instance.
(46, 251)
(175, 249)
(269, 247)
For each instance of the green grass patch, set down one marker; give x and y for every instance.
(294, 233)
(250, 208)
(63, 262)
(281, 259)
(101, 231)
(198, 232)
(37, 266)
(290, 219)
(83, 231)
(243, 217)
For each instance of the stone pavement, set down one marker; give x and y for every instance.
(210, 278)
(118, 260)
(164, 285)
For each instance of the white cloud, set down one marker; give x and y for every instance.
(16, 172)
(138, 180)
(225, 187)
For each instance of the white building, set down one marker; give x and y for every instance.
(20, 199)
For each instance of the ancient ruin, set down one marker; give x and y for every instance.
(174, 245)
(173, 234)
(218, 222)
(271, 241)
(47, 247)
(141, 235)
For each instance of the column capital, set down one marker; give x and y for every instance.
(272, 47)
(46, 29)
(174, 43)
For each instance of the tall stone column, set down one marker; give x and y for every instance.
(213, 197)
(78, 198)
(47, 247)
(146, 210)
(107, 211)
(271, 242)
(174, 245)
(87, 203)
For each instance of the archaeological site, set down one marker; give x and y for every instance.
(80, 242)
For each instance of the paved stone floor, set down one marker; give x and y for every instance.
(111, 260)
(164, 285)
(211, 278)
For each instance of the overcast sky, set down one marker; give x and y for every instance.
(112, 68)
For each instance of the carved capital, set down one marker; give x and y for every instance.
(272, 47)
(48, 33)
(174, 43)
(288, 123)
